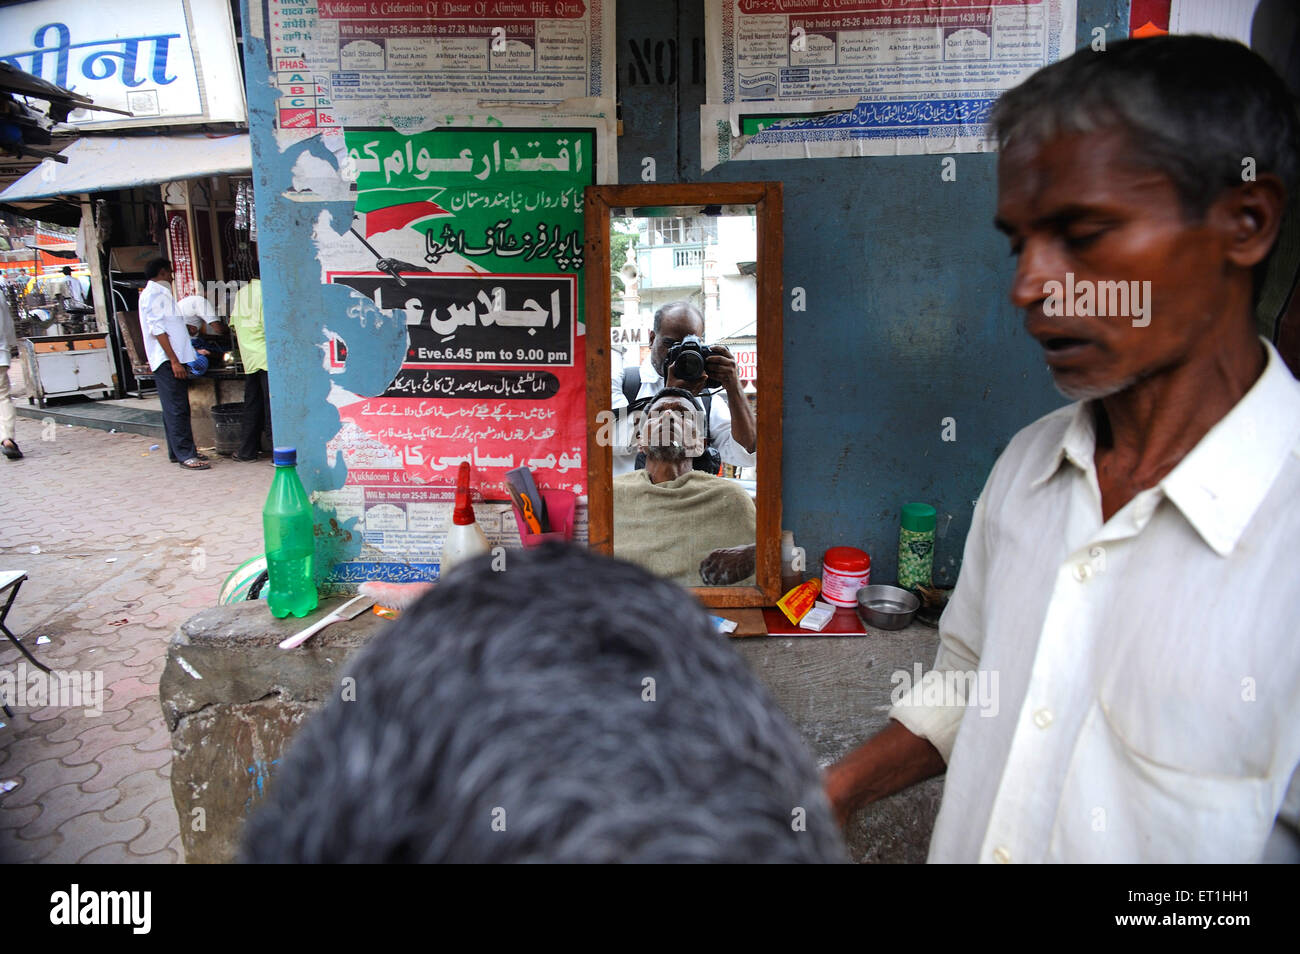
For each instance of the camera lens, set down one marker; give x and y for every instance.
(689, 366)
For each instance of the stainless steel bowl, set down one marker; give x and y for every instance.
(887, 607)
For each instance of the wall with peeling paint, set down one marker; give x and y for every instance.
(908, 319)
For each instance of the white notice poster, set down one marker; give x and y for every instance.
(358, 63)
(793, 79)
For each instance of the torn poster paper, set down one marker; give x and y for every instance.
(472, 238)
(793, 79)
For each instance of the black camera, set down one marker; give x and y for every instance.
(687, 359)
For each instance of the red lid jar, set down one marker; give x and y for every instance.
(845, 570)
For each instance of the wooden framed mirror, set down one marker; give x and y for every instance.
(729, 234)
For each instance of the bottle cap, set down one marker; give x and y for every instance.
(463, 515)
(918, 517)
(285, 457)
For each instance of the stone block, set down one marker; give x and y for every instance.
(232, 721)
(233, 702)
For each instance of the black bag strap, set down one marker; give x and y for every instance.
(631, 384)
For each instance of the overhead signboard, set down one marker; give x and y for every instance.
(167, 62)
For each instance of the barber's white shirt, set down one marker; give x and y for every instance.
(652, 382)
(1138, 687)
(159, 316)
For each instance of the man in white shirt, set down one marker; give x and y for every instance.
(732, 430)
(168, 349)
(73, 290)
(1118, 666)
(8, 341)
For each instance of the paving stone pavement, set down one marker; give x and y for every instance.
(120, 547)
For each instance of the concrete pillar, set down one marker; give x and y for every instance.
(98, 287)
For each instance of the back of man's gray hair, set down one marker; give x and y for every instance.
(1195, 108)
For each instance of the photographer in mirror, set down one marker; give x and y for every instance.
(675, 521)
(679, 358)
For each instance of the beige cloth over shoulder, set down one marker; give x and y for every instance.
(669, 528)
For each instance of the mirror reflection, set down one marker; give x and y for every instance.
(683, 389)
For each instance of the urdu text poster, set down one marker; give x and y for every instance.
(473, 237)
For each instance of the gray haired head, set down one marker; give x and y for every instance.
(1193, 108)
(506, 718)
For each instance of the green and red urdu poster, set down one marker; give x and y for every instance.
(473, 238)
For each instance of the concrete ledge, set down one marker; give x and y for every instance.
(233, 702)
(104, 417)
(836, 689)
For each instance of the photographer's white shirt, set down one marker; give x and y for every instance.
(652, 382)
(1144, 671)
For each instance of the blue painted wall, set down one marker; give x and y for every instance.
(908, 319)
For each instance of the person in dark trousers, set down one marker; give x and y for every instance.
(246, 317)
(167, 346)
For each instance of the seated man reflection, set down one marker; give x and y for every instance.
(676, 522)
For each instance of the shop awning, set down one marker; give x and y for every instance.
(97, 163)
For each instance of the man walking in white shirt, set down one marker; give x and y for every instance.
(74, 293)
(1130, 575)
(168, 349)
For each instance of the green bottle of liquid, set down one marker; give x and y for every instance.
(290, 543)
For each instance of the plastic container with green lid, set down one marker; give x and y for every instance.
(916, 545)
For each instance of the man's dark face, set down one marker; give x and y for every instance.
(674, 326)
(1076, 204)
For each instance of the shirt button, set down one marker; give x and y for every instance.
(1043, 718)
(1001, 855)
(1083, 572)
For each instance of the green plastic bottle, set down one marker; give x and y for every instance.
(290, 542)
(916, 545)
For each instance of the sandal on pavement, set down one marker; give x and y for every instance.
(10, 450)
(244, 460)
(195, 464)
